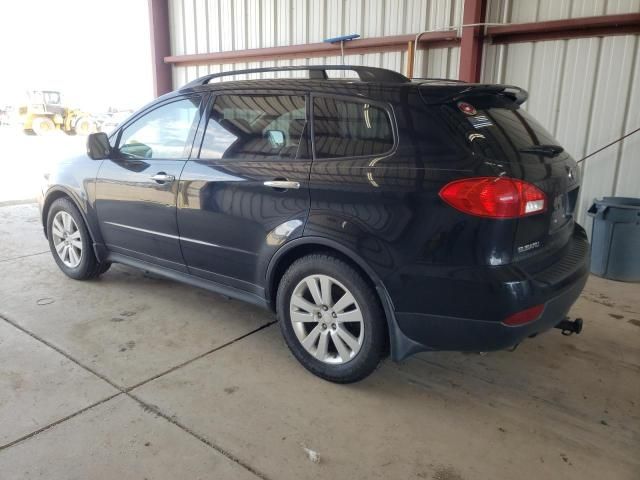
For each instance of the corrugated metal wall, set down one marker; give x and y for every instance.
(200, 26)
(586, 91)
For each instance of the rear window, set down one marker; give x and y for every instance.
(496, 128)
(350, 129)
(517, 128)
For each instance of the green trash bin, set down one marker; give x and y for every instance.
(615, 238)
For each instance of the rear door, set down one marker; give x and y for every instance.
(246, 193)
(136, 190)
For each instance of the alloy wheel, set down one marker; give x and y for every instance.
(326, 319)
(67, 239)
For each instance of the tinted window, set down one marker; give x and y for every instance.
(498, 129)
(161, 133)
(349, 129)
(251, 127)
(520, 129)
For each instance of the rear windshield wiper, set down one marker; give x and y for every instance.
(546, 150)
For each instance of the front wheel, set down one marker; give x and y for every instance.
(85, 126)
(331, 318)
(70, 242)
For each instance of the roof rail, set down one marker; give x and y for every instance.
(316, 72)
(438, 79)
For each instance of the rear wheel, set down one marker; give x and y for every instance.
(331, 318)
(70, 242)
(42, 125)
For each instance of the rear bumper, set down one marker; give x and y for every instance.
(494, 293)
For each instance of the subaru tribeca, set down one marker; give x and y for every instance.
(374, 215)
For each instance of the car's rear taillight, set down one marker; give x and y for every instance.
(494, 197)
(524, 316)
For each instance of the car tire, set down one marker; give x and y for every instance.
(70, 242)
(42, 125)
(342, 343)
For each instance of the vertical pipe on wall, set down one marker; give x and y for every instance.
(471, 41)
(160, 46)
(410, 55)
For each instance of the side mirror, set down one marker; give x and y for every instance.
(98, 147)
(276, 138)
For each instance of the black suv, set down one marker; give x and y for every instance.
(373, 215)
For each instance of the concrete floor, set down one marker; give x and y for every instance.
(131, 376)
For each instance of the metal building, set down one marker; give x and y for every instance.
(579, 59)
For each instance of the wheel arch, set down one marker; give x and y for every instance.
(60, 192)
(299, 247)
(400, 346)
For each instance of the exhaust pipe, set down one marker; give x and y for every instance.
(570, 327)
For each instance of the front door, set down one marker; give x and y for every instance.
(136, 190)
(247, 192)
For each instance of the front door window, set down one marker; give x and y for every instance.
(163, 133)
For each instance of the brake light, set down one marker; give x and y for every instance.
(494, 197)
(524, 316)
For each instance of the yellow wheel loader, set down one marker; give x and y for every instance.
(44, 112)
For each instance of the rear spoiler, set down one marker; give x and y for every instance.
(434, 95)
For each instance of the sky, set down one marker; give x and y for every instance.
(97, 52)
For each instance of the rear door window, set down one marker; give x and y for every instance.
(350, 129)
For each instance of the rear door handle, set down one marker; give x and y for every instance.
(162, 177)
(282, 184)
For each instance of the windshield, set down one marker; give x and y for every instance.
(48, 97)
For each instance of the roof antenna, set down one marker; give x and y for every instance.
(342, 39)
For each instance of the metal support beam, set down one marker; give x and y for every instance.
(160, 46)
(471, 42)
(603, 25)
(393, 43)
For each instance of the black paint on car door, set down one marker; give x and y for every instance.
(247, 192)
(136, 190)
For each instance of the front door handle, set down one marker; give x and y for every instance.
(282, 184)
(162, 177)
